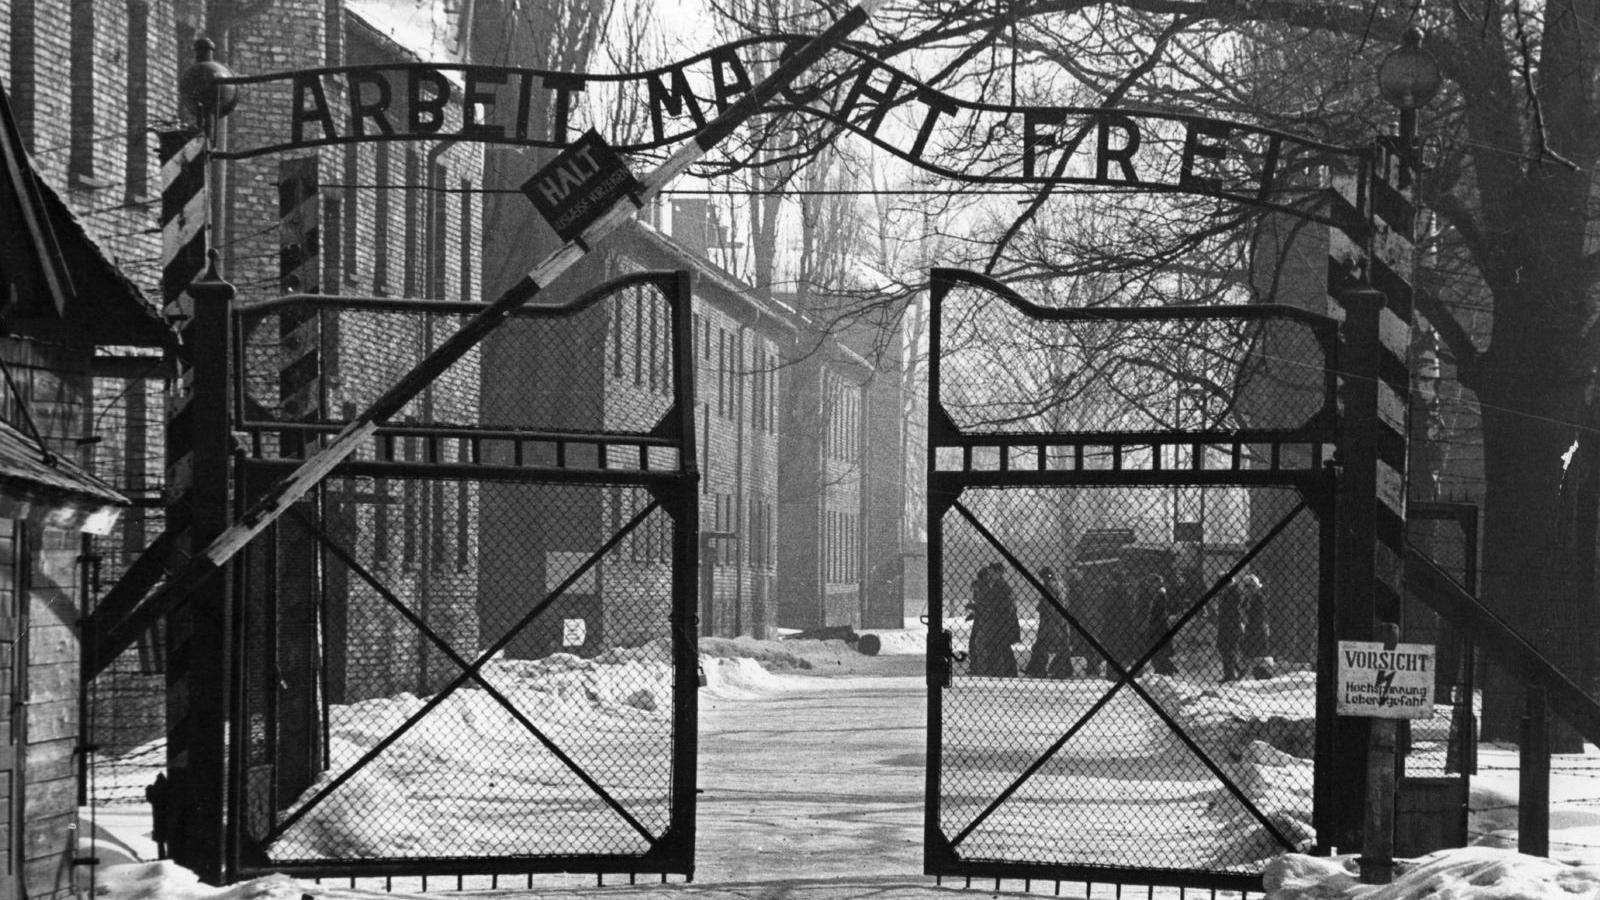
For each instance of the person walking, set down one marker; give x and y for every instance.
(994, 626)
(1230, 626)
(1158, 606)
(1052, 642)
(1256, 646)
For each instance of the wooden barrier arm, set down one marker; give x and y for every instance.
(110, 640)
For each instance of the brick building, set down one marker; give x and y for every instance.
(84, 83)
(92, 82)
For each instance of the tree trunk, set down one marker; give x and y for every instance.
(1527, 416)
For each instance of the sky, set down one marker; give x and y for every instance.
(734, 676)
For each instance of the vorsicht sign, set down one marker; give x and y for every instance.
(579, 185)
(1389, 683)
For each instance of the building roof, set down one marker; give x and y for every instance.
(425, 30)
(55, 493)
(727, 285)
(55, 276)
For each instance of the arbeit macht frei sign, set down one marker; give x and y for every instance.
(1024, 145)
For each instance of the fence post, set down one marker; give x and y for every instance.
(198, 644)
(1356, 602)
(1533, 799)
(1377, 837)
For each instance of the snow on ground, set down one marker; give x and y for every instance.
(1574, 805)
(167, 880)
(1259, 731)
(1467, 873)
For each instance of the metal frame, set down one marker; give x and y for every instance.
(674, 489)
(1316, 484)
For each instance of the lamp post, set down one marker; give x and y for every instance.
(1408, 77)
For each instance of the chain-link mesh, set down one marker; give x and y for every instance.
(604, 368)
(441, 660)
(563, 746)
(1079, 551)
(1046, 759)
(1444, 743)
(1002, 370)
(125, 717)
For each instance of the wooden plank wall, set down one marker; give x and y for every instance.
(11, 681)
(50, 801)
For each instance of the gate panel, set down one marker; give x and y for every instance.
(471, 649)
(1129, 535)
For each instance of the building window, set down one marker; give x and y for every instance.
(332, 25)
(380, 225)
(380, 520)
(411, 517)
(466, 243)
(760, 411)
(655, 343)
(438, 232)
(82, 60)
(333, 242)
(138, 113)
(722, 372)
(463, 511)
(415, 231)
(616, 341)
(351, 212)
(638, 339)
(736, 374)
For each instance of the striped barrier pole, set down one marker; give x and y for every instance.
(1370, 288)
(198, 508)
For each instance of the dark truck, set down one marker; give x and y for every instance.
(1111, 602)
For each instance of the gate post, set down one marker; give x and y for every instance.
(1359, 569)
(198, 642)
(1370, 274)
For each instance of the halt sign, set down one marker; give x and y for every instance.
(579, 185)
(1385, 682)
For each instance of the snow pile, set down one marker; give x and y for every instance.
(452, 781)
(167, 880)
(737, 679)
(773, 655)
(1227, 718)
(1468, 873)
(1280, 786)
(1263, 733)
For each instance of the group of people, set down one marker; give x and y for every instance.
(1243, 635)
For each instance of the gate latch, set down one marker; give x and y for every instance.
(941, 653)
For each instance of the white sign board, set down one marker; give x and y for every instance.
(1386, 684)
(574, 632)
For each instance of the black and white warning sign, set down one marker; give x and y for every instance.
(1387, 683)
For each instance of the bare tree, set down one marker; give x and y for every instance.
(1513, 142)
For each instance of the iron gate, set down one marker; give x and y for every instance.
(1130, 543)
(471, 649)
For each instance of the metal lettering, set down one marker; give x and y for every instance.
(1122, 156)
(425, 113)
(474, 99)
(664, 99)
(305, 84)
